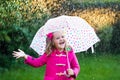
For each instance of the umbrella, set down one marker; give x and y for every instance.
(79, 34)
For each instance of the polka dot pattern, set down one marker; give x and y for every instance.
(79, 34)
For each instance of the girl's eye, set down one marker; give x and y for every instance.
(62, 36)
(57, 38)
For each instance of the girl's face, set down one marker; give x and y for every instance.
(59, 40)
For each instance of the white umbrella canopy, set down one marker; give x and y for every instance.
(79, 34)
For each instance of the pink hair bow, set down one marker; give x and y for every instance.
(50, 35)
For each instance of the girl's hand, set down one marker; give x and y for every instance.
(70, 72)
(19, 54)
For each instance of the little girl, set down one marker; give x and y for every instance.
(56, 55)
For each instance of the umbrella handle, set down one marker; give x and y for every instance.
(68, 60)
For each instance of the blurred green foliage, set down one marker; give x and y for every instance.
(93, 1)
(105, 35)
(17, 27)
(115, 41)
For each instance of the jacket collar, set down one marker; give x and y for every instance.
(58, 52)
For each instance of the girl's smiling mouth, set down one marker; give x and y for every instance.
(61, 43)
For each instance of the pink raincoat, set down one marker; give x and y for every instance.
(56, 64)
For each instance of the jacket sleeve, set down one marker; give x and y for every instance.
(74, 64)
(36, 62)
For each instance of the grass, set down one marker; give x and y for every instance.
(102, 67)
(93, 67)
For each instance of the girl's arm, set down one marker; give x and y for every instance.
(35, 62)
(74, 65)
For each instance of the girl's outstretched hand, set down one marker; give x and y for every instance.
(19, 54)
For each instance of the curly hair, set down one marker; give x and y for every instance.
(49, 45)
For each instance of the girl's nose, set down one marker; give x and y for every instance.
(61, 38)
